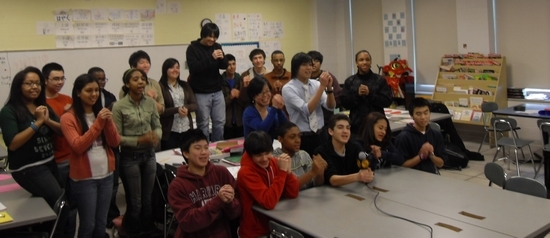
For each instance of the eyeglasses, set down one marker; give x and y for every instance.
(57, 79)
(103, 80)
(265, 93)
(30, 84)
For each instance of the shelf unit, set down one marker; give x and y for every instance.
(460, 76)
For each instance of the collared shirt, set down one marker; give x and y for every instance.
(134, 120)
(181, 124)
(296, 105)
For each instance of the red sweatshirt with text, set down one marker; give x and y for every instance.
(196, 205)
(264, 187)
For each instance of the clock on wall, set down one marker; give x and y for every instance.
(205, 21)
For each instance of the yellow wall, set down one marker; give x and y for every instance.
(18, 20)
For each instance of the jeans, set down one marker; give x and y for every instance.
(92, 197)
(211, 105)
(138, 171)
(113, 208)
(63, 170)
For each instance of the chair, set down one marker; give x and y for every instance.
(163, 180)
(527, 186)
(495, 173)
(544, 126)
(280, 231)
(434, 126)
(58, 208)
(500, 124)
(490, 107)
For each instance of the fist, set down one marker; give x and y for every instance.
(246, 80)
(283, 162)
(319, 164)
(363, 90)
(151, 93)
(235, 93)
(366, 175)
(277, 101)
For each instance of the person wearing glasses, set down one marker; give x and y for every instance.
(60, 103)
(106, 99)
(260, 116)
(28, 124)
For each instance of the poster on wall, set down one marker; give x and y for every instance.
(395, 29)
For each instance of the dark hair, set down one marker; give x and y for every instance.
(297, 61)
(137, 56)
(362, 51)
(284, 128)
(416, 103)
(255, 52)
(49, 67)
(276, 52)
(256, 86)
(230, 57)
(169, 63)
(337, 117)
(367, 132)
(210, 29)
(79, 83)
(191, 136)
(316, 55)
(94, 70)
(15, 99)
(258, 142)
(126, 78)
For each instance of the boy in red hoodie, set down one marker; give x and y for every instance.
(262, 180)
(202, 195)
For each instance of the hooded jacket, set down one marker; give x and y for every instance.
(410, 140)
(379, 97)
(264, 187)
(204, 70)
(196, 205)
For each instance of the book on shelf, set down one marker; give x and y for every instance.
(451, 103)
(463, 102)
(476, 117)
(475, 103)
(457, 115)
(466, 115)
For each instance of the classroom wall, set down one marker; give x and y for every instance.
(367, 30)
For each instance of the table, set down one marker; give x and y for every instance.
(420, 196)
(329, 212)
(23, 208)
(531, 111)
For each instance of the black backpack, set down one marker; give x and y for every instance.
(457, 159)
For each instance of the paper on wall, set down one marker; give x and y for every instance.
(81, 15)
(223, 20)
(270, 46)
(147, 39)
(116, 40)
(173, 7)
(160, 7)
(45, 28)
(101, 28)
(116, 27)
(116, 14)
(99, 41)
(66, 42)
(147, 14)
(100, 14)
(239, 26)
(147, 27)
(131, 27)
(132, 39)
(5, 71)
(82, 28)
(83, 41)
(63, 28)
(254, 26)
(132, 15)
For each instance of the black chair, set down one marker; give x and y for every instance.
(280, 231)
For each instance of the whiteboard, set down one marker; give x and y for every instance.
(241, 51)
(77, 61)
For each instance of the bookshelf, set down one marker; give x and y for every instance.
(464, 81)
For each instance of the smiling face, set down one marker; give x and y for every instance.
(31, 87)
(278, 61)
(100, 76)
(305, 70)
(380, 128)
(174, 72)
(258, 61)
(198, 154)
(55, 81)
(363, 62)
(209, 40)
(137, 82)
(89, 94)
(144, 64)
(291, 141)
(341, 131)
(262, 159)
(421, 117)
(264, 97)
(316, 66)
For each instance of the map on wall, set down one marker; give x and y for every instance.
(395, 30)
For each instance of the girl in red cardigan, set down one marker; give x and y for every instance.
(91, 133)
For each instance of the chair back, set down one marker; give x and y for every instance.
(434, 126)
(170, 171)
(544, 126)
(280, 231)
(526, 185)
(489, 106)
(504, 124)
(60, 208)
(495, 173)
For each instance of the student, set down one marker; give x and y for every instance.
(27, 124)
(179, 100)
(309, 172)
(141, 60)
(260, 116)
(233, 107)
(262, 180)
(316, 73)
(202, 195)
(107, 99)
(341, 155)
(304, 98)
(364, 92)
(376, 138)
(139, 127)
(205, 58)
(60, 103)
(90, 132)
(279, 76)
(257, 58)
(422, 147)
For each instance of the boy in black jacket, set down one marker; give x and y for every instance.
(423, 148)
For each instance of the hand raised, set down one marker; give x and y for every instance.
(319, 164)
(277, 101)
(283, 162)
